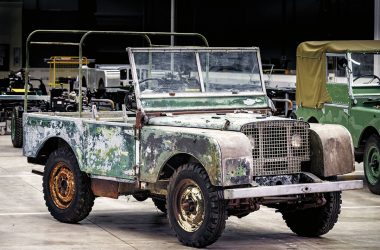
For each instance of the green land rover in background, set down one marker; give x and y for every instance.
(338, 82)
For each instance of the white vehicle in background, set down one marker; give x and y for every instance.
(102, 78)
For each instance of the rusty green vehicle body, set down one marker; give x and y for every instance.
(201, 143)
(338, 83)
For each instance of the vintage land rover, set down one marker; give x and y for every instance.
(338, 82)
(199, 140)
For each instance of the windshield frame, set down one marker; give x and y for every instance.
(196, 50)
(351, 76)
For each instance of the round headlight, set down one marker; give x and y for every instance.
(296, 141)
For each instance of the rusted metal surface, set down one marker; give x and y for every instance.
(190, 208)
(105, 188)
(333, 152)
(62, 185)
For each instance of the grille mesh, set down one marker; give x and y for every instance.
(272, 149)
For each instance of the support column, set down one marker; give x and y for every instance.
(172, 20)
(376, 25)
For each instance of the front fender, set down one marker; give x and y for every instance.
(225, 155)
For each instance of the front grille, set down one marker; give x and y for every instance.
(272, 149)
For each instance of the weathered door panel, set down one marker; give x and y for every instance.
(337, 111)
(110, 149)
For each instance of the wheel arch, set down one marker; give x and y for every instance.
(366, 133)
(363, 138)
(49, 146)
(175, 161)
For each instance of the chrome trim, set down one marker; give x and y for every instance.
(304, 188)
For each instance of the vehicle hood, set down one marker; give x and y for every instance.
(232, 122)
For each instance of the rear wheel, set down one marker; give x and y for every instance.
(67, 190)
(196, 209)
(313, 222)
(372, 163)
(16, 128)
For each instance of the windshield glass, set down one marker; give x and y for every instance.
(230, 71)
(198, 71)
(365, 68)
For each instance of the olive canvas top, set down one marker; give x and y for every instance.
(311, 67)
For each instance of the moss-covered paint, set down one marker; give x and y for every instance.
(110, 150)
(106, 149)
(40, 128)
(209, 147)
(204, 103)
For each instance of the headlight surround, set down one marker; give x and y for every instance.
(296, 141)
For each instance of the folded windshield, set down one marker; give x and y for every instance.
(229, 71)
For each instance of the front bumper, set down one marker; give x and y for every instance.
(280, 190)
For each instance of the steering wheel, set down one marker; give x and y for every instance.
(144, 83)
(369, 75)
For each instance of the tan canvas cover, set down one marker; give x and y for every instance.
(311, 68)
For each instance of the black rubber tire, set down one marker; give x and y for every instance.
(372, 170)
(16, 129)
(160, 204)
(215, 213)
(83, 199)
(313, 222)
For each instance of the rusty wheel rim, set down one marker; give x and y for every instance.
(62, 185)
(189, 206)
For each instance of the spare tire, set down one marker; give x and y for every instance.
(16, 128)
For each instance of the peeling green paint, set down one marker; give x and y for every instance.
(159, 144)
(110, 150)
(101, 149)
(203, 103)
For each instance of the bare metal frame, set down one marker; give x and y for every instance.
(84, 34)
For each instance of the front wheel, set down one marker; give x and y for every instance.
(313, 222)
(67, 190)
(372, 163)
(196, 209)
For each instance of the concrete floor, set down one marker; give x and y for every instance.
(128, 224)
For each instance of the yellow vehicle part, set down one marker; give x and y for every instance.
(63, 67)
